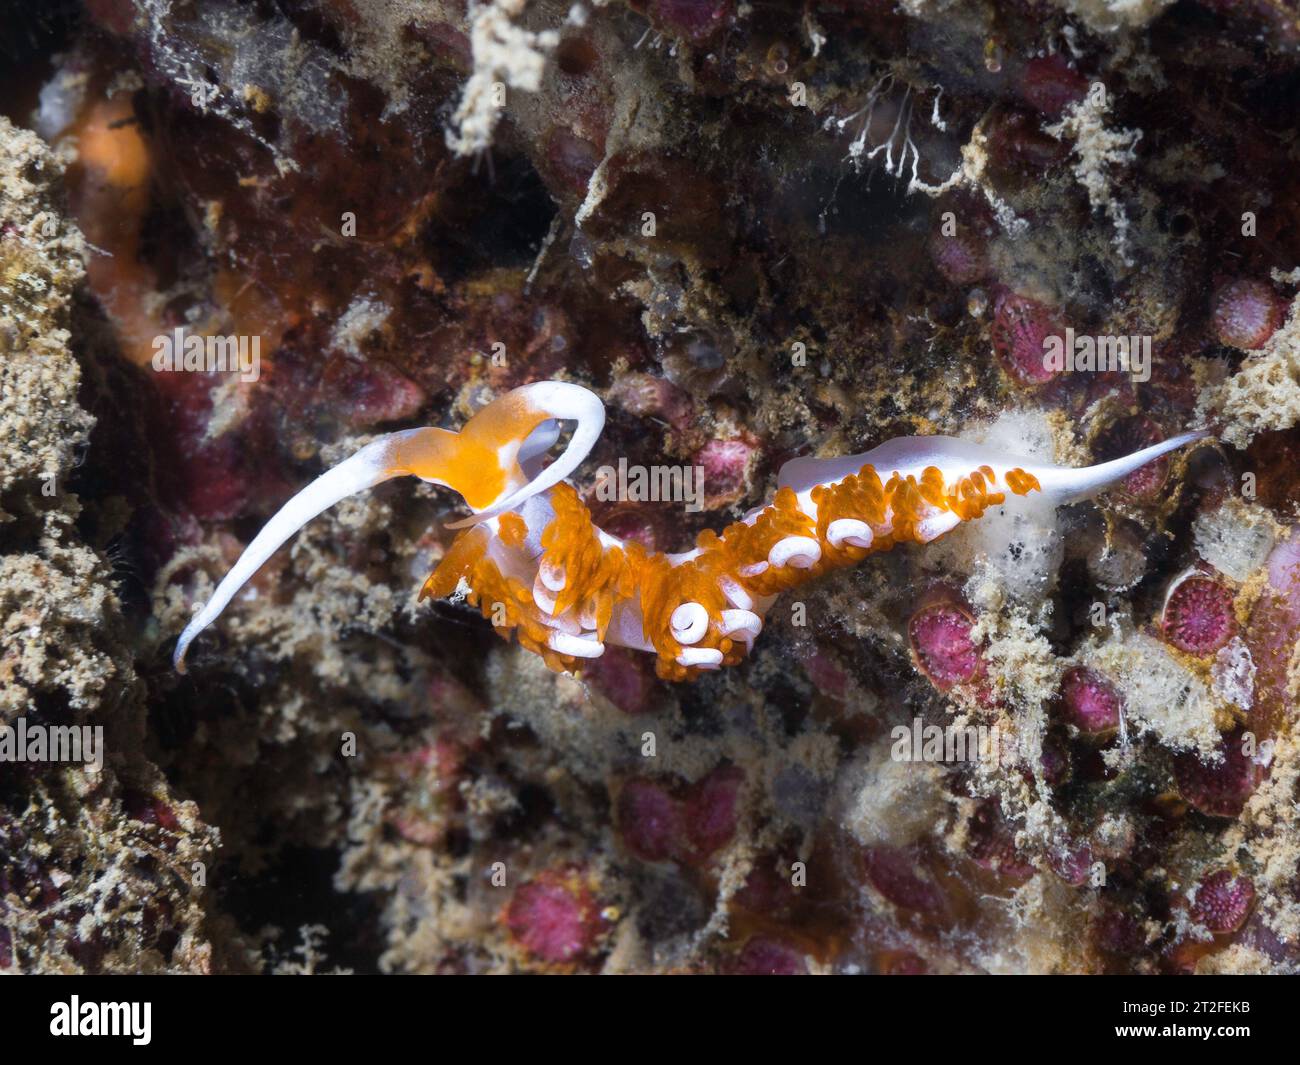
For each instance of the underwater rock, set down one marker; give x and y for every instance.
(763, 237)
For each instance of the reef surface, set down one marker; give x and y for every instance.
(758, 232)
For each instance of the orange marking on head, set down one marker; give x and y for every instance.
(475, 472)
(503, 422)
(477, 462)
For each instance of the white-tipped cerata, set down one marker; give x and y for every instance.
(564, 402)
(690, 622)
(552, 576)
(577, 646)
(543, 597)
(700, 657)
(849, 530)
(744, 624)
(801, 552)
(736, 595)
(932, 526)
(367, 468)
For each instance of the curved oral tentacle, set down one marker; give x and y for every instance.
(577, 646)
(378, 461)
(538, 403)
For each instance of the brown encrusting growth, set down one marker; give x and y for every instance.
(97, 865)
(760, 233)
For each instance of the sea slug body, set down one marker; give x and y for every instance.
(532, 560)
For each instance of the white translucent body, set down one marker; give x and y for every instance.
(572, 632)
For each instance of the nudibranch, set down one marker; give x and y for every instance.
(530, 558)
